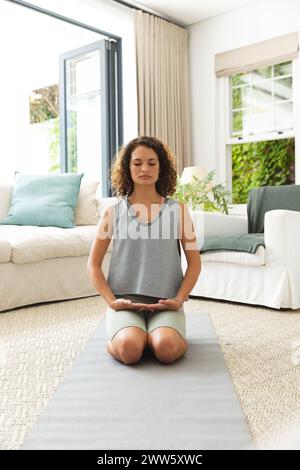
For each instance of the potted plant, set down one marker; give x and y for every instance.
(203, 194)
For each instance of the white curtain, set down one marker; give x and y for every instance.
(163, 84)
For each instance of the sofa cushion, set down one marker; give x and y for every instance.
(88, 208)
(44, 200)
(236, 257)
(105, 202)
(86, 212)
(5, 251)
(30, 244)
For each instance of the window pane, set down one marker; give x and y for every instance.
(247, 122)
(262, 92)
(241, 97)
(237, 121)
(240, 79)
(261, 119)
(83, 113)
(236, 98)
(283, 69)
(283, 113)
(283, 89)
(261, 74)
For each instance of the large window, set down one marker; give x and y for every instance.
(260, 134)
(60, 95)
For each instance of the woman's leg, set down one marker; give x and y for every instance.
(127, 333)
(128, 344)
(167, 344)
(166, 334)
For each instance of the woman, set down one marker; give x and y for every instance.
(145, 288)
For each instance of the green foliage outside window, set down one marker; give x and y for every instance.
(260, 164)
(43, 104)
(72, 142)
(44, 107)
(54, 147)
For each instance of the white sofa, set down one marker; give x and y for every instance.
(43, 264)
(270, 277)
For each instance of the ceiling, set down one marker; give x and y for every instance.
(187, 12)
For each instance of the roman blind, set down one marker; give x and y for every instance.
(254, 56)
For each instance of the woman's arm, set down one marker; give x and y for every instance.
(189, 244)
(100, 245)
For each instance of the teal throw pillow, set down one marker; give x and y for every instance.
(44, 200)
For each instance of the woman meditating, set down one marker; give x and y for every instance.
(145, 287)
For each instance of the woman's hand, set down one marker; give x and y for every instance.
(166, 304)
(126, 304)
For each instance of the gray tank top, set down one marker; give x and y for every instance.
(146, 258)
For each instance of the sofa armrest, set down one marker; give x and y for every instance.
(212, 223)
(282, 242)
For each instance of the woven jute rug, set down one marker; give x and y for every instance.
(261, 349)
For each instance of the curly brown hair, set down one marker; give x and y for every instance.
(120, 171)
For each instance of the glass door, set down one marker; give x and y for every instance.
(90, 110)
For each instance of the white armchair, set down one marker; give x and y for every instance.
(269, 277)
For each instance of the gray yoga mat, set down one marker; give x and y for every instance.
(105, 404)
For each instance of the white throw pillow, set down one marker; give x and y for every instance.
(86, 212)
(6, 191)
(105, 202)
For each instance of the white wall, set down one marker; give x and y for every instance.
(30, 44)
(256, 22)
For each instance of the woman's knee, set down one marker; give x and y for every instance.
(166, 351)
(168, 347)
(129, 347)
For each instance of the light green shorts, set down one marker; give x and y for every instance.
(146, 320)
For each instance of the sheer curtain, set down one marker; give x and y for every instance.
(163, 84)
